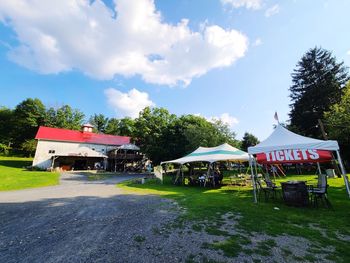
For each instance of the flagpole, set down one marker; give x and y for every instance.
(276, 118)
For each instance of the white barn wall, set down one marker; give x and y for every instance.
(43, 159)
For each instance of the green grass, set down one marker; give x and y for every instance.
(14, 177)
(210, 204)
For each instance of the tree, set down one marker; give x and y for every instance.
(122, 127)
(337, 122)
(64, 117)
(317, 83)
(184, 134)
(149, 129)
(4, 149)
(126, 127)
(29, 115)
(226, 135)
(248, 140)
(28, 147)
(6, 127)
(99, 121)
(112, 126)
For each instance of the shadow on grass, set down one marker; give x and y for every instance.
(15, 163)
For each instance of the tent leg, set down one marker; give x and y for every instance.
(319, 168)
(253, 179)
(346, 181)
(177, 177)
(208, 174)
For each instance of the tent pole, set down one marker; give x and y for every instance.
(346, 181)
(253, 179)
(182, 176)
(319, 168)
(208, 174)
(177, 174)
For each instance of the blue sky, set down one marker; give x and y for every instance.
(227, 59)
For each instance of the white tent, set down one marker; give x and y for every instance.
(224, 152)
(283, 139)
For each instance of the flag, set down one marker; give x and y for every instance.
(276, 117)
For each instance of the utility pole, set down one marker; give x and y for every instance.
(324, 134)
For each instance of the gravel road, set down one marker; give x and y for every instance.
(80, 221)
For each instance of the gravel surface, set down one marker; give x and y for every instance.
(94, 221)
(78, 221)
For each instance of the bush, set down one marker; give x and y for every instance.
(4, 149)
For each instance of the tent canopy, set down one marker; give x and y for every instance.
(283, 139)
(224, 152)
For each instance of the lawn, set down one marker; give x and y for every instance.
(14, 177)
(320, 226)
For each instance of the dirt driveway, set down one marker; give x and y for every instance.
(79, 221)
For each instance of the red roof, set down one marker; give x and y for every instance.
(55, 134)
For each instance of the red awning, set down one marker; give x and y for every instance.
(294, 156)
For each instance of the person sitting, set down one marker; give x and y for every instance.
(221, 176)
(201, 180)
(217, 177)
(192, 179)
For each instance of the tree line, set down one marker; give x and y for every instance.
(160, 134)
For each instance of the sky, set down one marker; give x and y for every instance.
(221, 59)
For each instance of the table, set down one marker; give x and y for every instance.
(295, 193)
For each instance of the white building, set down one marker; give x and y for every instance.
(74, 150)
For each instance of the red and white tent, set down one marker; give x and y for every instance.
(284, 146)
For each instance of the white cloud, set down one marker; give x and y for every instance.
(132, 39)
(272, 10)
(257, 42)
(225, 118)
(348, 53)
(249, 4)
(128, 104)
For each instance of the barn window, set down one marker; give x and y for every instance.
(93, 149)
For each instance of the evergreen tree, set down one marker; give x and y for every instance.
(6, 127)
(99, 121)
(112, 126)
(317, 83)
(249, 140)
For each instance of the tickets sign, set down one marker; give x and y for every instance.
(294, 156)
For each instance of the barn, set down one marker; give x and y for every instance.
(82, 150)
